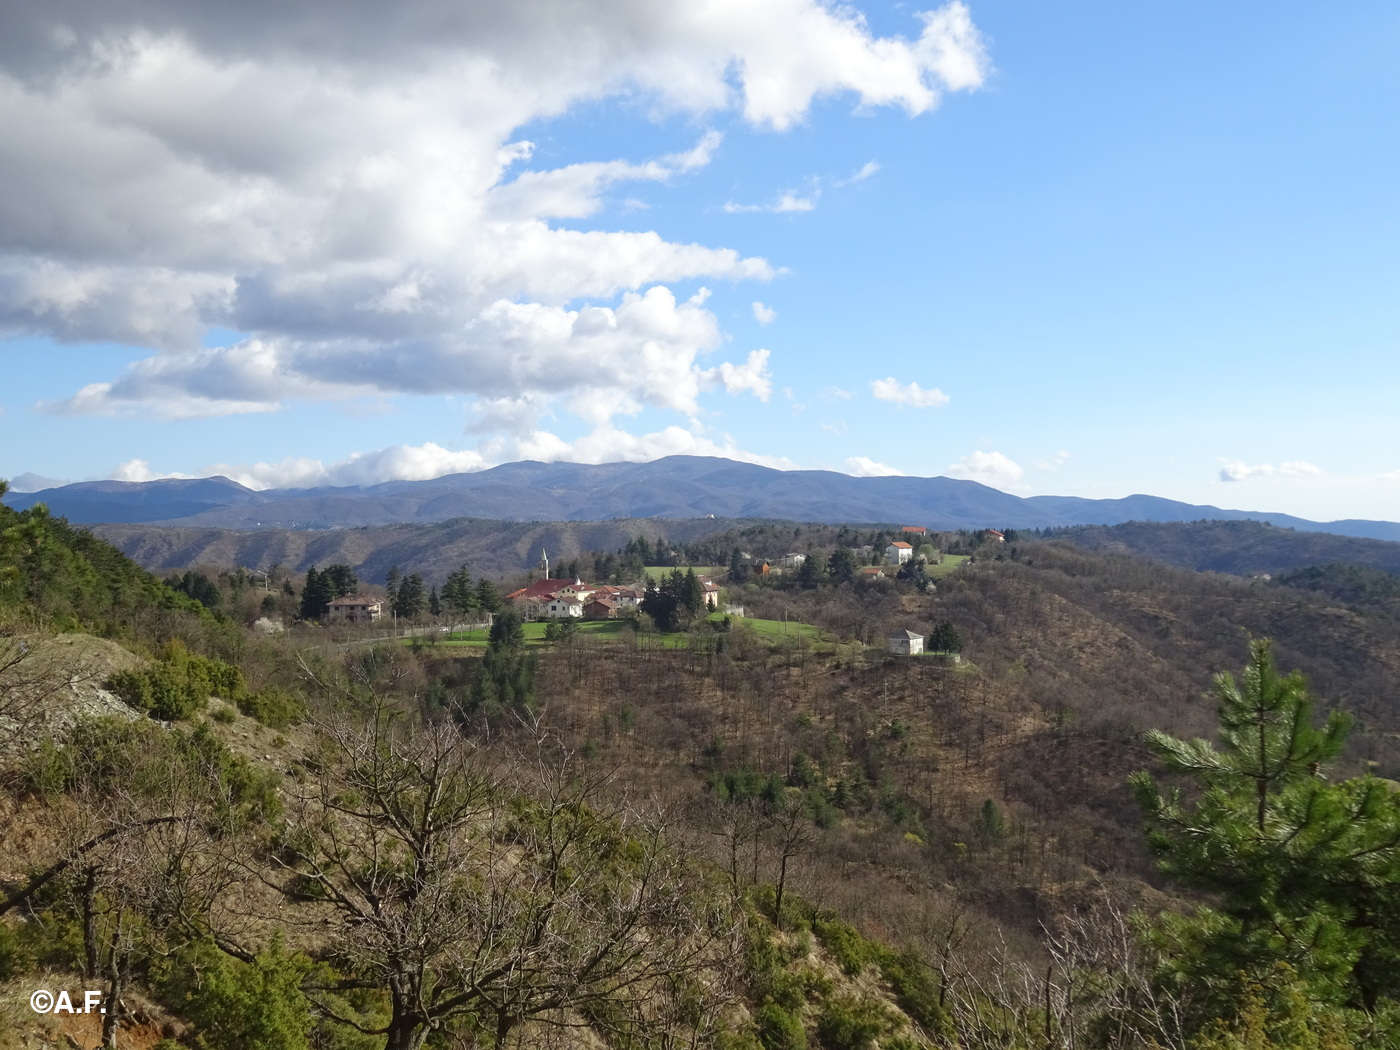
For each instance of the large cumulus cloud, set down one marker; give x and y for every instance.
(344, 182)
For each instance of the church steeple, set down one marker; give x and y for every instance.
(544, 563)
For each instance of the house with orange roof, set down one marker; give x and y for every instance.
(898, 552)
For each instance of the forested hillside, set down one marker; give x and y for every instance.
(1241, 548)
(729, 834)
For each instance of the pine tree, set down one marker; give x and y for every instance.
(434, 603)
(692, 596)
(945, 639)
(738, 567)
(843, 565)
(811, 571)
(506, 680)
(341, 579)
(317, 593)
(458, 594)
(487, 597)
(412, 598)
(1305, 873)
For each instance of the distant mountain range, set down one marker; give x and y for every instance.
(675, 487)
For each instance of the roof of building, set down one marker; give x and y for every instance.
(607, 603)
(914, 528)
(356, 599)
(902, 544)
(542, 588)
(906, 636)
(872, 570)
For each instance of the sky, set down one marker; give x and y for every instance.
(1076, 248)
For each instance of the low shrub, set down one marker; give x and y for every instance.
(853, 1024)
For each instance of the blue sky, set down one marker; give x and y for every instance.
(1083, 248)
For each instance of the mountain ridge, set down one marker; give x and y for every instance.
(673, 487)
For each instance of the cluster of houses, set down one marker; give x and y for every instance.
(573, 599)
(550, 599)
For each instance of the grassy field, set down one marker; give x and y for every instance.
(949, 564)
(534, 633)
(771, 631)
(774, 631)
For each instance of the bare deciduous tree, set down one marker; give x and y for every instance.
(489, 896)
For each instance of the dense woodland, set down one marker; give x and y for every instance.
(709, 836)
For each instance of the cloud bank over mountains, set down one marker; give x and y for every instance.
(345, 184)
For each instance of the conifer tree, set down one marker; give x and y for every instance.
(316, 595)
(945, 639)
(692, 594)
(341, 579)
(1305, 873)
(412, 598)
(487, 597)
(458, 594)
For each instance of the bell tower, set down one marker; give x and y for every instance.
(544, 563)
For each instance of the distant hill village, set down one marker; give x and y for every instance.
(571, 598)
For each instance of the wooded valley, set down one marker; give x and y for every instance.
(717, 836)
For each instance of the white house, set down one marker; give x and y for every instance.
(905, 643)
(578, 589)
(792, 561)
(562, 605)
(711, 593)
(898, 552)
(355, 608)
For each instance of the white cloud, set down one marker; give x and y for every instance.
(595, 361)
(911, 394)
(1238, 470)
(786, 203)
(792, 201)
(990, 468)
(30, 482)
(607, 444)
(138, 470)
(351, 192)
(604, 444)
(866, 170)
(1053, 463)
(752, 376)
(864, 467)
(397, 462)
(764, 314)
